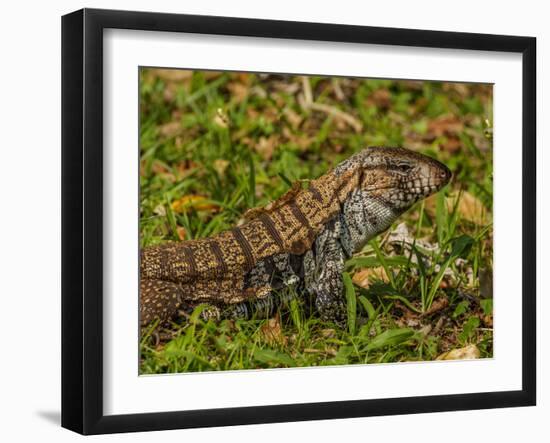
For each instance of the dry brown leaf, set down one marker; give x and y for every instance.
(184, 166)
(221, 119)
(272, 332)
(413, 85)
(331, 352)
(160, 210)
(181, 233)
(170, 129)
(239, 91)
(470, 208)
(266, 145)
(220, 166)
(271, 114)
(363, 277)
(173, 75)
(444, 125)
(438, 305)
(287, 88)
(381, 98)
(169, 93)
(212, 75)
(466, 353)
(451, 144)
(293, 118)
(303, 141)
(244, 77)
(487, 321)
(252, 113)
(328, 333)
(313, 351)
(196, 202)
(460, 88)
(159, 168)
(278, 99)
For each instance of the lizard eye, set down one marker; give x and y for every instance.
(402, 167)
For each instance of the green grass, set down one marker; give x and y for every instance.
(213, 145)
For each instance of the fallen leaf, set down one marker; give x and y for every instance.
(159, 168)
(239, 92)
(437, 305)
(413, 85)
(162, 170)
(469, 207)
(278, 99)
(313, 351)
(328, 333)
(196, 202)
(252, 113)
(381, 98)
(363, 277)
(303, 141)
(444, 125)
(160, 210)
(487, 320)
(266, 146)
(170, 129)
(169, 93)
(220, 166)
(244, 77)
(221, 119)
(211, 75)
(181, 233)
(184, 166)
(452, 144)
(173, 75)
(460, 88)
(425, 330)
(287, 88)
(272, 332)
(293, 118)
(466, 353)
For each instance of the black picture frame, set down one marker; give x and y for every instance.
(82, 219)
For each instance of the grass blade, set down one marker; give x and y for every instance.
(390, 337)
(351, 302)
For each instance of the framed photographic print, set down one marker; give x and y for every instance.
(269, 221)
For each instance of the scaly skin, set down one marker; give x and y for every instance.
(301, 239)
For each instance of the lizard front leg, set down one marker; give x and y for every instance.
(329, 287)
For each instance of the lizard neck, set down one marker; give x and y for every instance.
(362, 218)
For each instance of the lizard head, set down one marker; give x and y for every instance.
(399, 177)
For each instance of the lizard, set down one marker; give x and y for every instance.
(301, 239)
